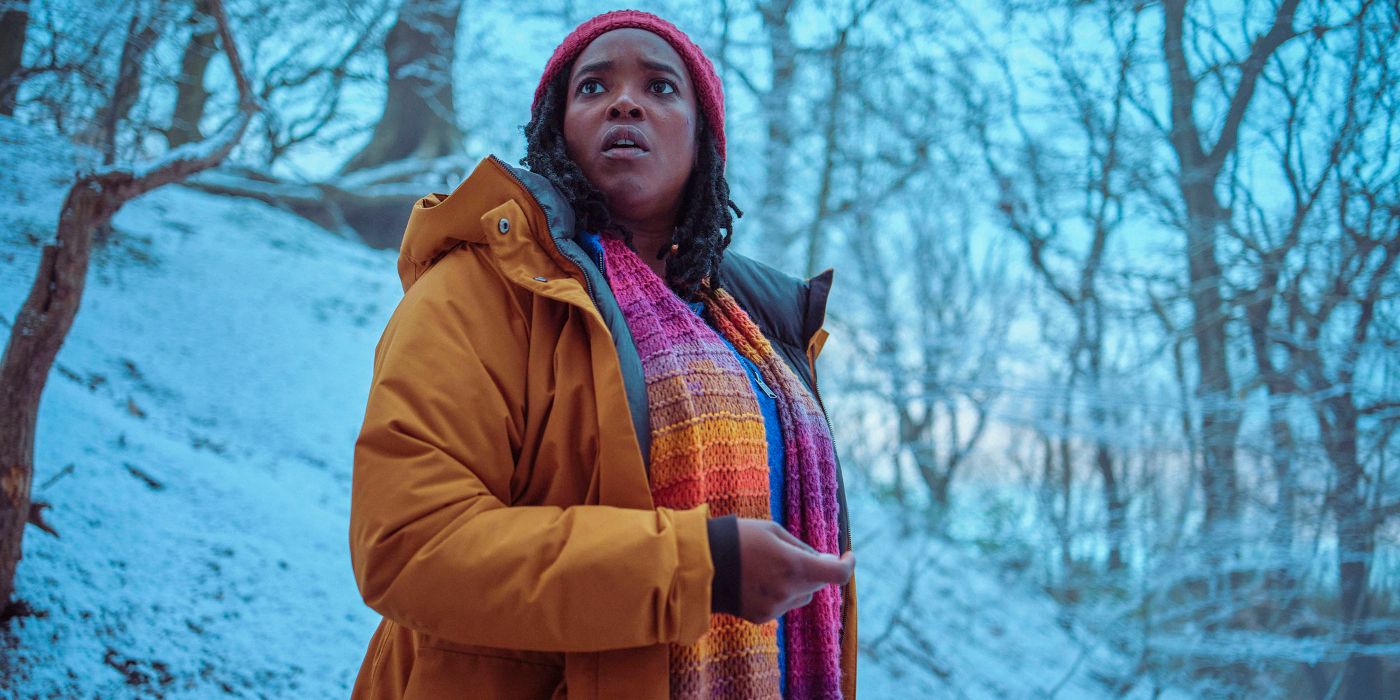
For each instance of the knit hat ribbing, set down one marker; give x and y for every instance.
(709, 91)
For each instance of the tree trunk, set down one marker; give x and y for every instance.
(1072, 582)
(419, 120)
(1048, 503)
(830, 144)
(774, 210)
(1117, 518)
(47, 313)
(1090, 337)
(1220, 417)
(1258, 311)
(14, 24)
(140, 36)
(906, 437)
(1356, 544)
(1200, 165)
(191, 95)
(40, 327)
(925, 457)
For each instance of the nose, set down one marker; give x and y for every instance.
(624, 105)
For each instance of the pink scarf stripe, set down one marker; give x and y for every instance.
(708, 446)
(813, 632)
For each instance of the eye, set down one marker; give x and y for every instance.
(590, 86)
(662, 87)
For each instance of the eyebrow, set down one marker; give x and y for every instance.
(594, 67)
(603, 66)
(662, 68)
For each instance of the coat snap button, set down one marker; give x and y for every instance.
(503, 226)
(541, 279)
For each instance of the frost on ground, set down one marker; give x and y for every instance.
(940, 621)
(195, 443)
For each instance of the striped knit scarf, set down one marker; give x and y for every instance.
(708, 446)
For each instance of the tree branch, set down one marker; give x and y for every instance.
(1279, 33)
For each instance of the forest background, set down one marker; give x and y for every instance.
(1115, 323)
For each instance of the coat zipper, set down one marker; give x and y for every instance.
(767, 390)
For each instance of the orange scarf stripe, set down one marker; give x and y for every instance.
(708, 447)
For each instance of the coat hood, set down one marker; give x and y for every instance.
(441, 222)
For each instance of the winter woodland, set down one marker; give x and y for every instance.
(1114, 366)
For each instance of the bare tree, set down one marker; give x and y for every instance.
(838, 105)
(1337, 295)
(1201, 158)
(1031, 193)
(831, 138)
(1313, 277)
(191, 95)
(415, 143)
(67, 78)
(1266, 249)
(303, 90)
(419, 118)
(936, 321)
(775, 206)
(47, 313)
(141, 32)
(14, 23)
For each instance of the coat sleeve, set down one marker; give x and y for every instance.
(434, 549)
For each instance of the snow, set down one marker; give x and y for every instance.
(207, 400)
(196, 151)
(939, 620)
(195, 442)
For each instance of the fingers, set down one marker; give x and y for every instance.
(782, 572)
(826, 569)
(818, 568)
(792, 539)
(816, 572)
(800, 589)
(797, 602)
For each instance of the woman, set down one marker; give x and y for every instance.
(587, 419)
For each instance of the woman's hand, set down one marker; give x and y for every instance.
(779, 572)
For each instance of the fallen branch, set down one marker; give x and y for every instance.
(369, 206)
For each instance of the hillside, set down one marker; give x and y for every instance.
(195, 443)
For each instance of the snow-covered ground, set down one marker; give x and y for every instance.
(195, 443)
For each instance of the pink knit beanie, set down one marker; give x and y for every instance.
(708, 89)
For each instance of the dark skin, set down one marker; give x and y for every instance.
(630, 84)
(630, 124)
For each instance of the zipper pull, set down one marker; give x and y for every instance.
(758, 378)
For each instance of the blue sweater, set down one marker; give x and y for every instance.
(772, 428)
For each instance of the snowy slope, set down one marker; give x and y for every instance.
(939, 621)
(195, 443)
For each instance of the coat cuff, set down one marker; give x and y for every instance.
(724, 555)
(691, 588)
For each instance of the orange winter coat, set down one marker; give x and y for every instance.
(501, 519)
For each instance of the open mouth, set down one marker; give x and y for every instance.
(622, 140)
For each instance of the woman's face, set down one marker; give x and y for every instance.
(630, 123)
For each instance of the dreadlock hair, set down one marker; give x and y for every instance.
(705, 227)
